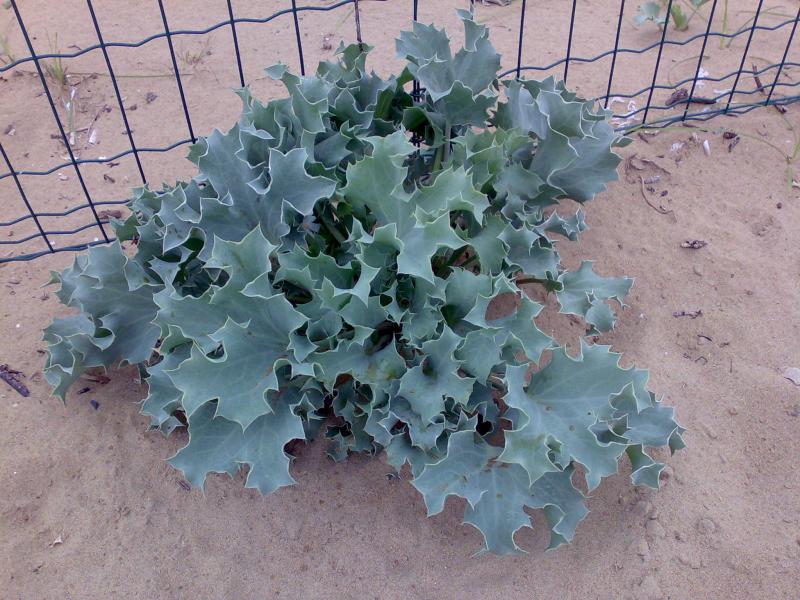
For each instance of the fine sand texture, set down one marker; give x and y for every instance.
(90, 510)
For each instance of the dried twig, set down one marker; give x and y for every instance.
(692, 314)
(105, 215)
(681, 96)
(757, 79)
(631, 164)
(760, 88)
(694, 244)
(733, 137)
(11, 377)
(97, 378)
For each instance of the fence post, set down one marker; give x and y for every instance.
(614, 55)
(415, 90)
(569, 40)
(116, 90)
(54, 110)
(658, 62)
(299, 40)
(358, 26)
(744, 56)
(236, 43)
(783, 59)
(699, 61)
(25, 198)
(521, 34)
(177, 72)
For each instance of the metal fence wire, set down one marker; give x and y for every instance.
(774, 90)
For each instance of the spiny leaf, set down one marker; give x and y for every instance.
(321, 267)
(457, 473)
(217, 445)
(584, 293)
(426, 385)
(565, 400)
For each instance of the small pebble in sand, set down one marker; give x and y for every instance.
(790, 373)
(706, 526)
(655, 529)
(649, 589)
(643, 549)
(689, 561)
(641, 508)
(709, 431)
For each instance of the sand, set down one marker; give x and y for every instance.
(90, 510)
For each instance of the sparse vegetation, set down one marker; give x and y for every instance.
(6, 54)
(656, 11)
(192, 57)
(54, 67)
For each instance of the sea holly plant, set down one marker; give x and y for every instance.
(349, 262)
(656, 11)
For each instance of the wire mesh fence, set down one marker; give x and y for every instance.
(32, 231)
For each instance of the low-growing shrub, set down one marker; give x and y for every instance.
(323, 270)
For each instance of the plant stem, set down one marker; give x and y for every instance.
(497, 383)
(767, 12)
(469, 262)
(694, 12)
(437, 162)
(332, 228)
(525, 280)
(456, 255)
(447, 131)
(443, 151)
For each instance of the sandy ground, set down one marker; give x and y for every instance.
(89, 509)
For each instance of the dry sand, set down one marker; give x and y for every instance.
(90, 510)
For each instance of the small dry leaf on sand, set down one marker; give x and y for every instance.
(792, 374)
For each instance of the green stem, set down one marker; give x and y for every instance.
(332, 228)
(456, 255)
(437, 162)
(443, 151)
(447, 131)
(525, 280)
